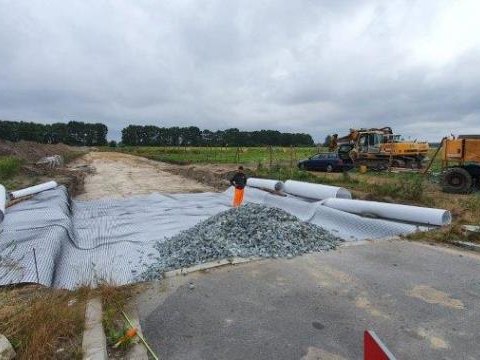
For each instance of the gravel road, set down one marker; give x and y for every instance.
(122, 175)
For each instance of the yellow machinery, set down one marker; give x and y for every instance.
(381, 148)
(460, 163)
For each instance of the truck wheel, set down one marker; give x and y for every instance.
(329, 168)
(457, 181)
(398, 163)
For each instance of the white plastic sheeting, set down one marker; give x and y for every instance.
(79, 243)
(273, 185)
(33, 190)
(315, 191)
(84, 242)
(406, 213)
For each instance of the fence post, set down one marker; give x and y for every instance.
(291, 156)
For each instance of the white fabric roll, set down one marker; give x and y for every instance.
(274, 185)
(407, 213)
(315, 191)
(33, 189)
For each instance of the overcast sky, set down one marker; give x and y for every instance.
(293, 65)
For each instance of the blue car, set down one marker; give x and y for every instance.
(325, 162)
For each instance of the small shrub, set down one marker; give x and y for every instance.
(472, 205)
(403, 188)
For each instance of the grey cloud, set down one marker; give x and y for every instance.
(313, 66)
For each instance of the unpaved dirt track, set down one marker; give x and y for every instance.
(122, 175)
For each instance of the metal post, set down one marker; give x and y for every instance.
(434, 156)
(36, 265)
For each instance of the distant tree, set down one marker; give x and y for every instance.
(73, 133)
(193, 136)
(327, 140)
(112, 144)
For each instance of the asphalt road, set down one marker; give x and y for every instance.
(420, 300)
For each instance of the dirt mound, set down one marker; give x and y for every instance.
(31, 174)
(32, 151)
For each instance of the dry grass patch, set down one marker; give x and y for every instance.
(43, 323)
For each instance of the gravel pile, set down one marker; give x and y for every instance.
(250, 230)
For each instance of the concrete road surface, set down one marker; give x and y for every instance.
(421, 301)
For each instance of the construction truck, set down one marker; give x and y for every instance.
(380, 149)
(460, 163)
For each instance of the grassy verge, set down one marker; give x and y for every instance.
(404, 188)
(9, 167)
(43, 323)
(114, 301)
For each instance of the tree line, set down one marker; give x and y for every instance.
(72, 133)
(88, 134)
(135, 135)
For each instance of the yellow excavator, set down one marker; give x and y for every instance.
(380, 148)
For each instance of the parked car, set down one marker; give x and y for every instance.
(325, 162)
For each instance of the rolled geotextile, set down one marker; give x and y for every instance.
(3, 200)
(274, 185)
(406, 213)
(315, 191)
(33, 189)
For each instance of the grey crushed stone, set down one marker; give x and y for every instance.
(251, 230)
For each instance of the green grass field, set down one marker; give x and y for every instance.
(232, 155)
(223, 155)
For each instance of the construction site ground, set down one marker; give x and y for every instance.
(419, 299)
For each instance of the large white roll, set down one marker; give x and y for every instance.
(33, 189)
(3, 200)
(274, 185)
(407, 213)
(315, 191)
